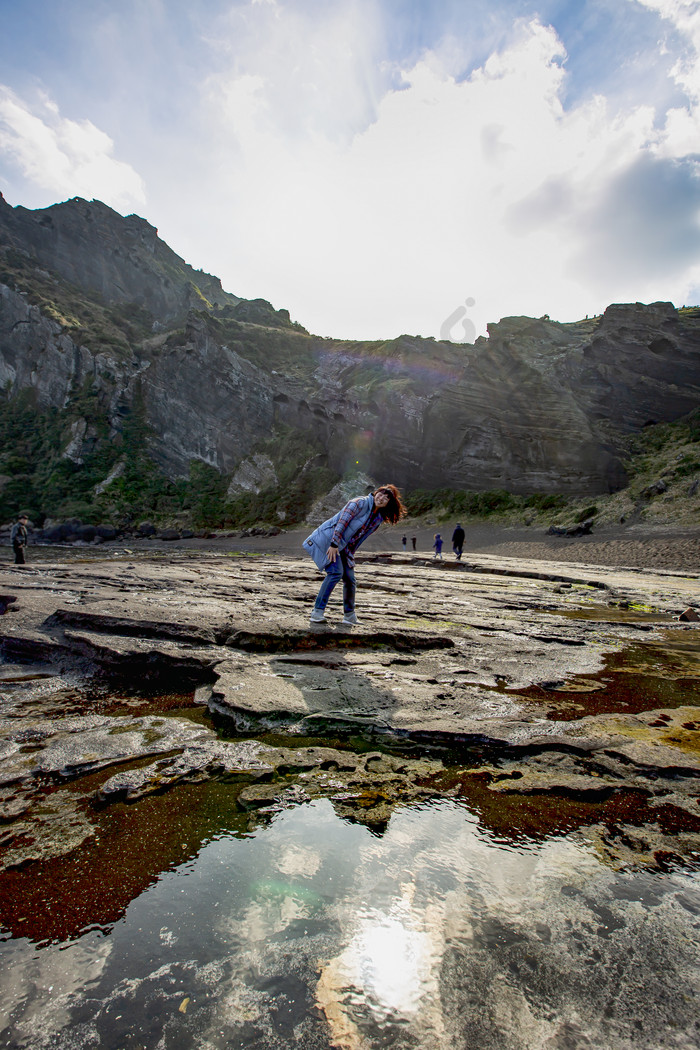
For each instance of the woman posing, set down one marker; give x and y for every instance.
(333, 544)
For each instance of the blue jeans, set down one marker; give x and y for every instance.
(335, 572)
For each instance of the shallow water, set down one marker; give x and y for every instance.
(644, 676)
(312, 931)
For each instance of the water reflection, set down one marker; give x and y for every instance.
(315, 932)
(389, 961)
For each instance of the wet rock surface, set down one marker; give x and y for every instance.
(522, 661)
(161, 710)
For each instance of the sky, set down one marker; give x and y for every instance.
(376, 167)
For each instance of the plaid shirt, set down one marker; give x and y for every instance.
(349, 511)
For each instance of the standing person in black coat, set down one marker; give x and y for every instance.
(458, 541)
(18, 538)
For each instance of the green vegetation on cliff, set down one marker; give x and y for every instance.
(454, 503)
(83, 315)
(38, 475)
(155, 373)
(664, 473)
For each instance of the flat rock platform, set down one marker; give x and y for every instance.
(130, 671)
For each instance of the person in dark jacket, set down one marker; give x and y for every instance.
(458, 541)
(18, 538)
(333, 544)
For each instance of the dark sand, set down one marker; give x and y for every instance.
(675, 551)
(635, 547)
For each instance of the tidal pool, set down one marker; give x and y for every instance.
(312, 931)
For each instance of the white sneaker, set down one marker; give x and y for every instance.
(318, 616)
(350, 619)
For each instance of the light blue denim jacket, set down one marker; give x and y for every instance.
(318, 542)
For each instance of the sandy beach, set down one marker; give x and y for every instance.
(635, 547)
(675, 551)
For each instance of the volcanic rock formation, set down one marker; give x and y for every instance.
(538, 406)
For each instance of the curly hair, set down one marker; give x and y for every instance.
(394, 509)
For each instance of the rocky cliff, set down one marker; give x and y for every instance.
(94, 304)
(122, 259)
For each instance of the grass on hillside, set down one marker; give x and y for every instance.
(83, 315)
(668, 453)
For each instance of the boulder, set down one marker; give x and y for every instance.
(168, 534)
(254, 474)
(54, 534)
(657, 489)
(146, 529)
(61, 533)
(583, 528)
(358, 484)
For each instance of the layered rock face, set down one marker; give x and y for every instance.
(538, 406)
(641, 364)
(205, 402)
(123, 259)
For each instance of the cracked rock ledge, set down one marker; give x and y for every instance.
(126, 676)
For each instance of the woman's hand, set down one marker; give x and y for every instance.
(331, 554)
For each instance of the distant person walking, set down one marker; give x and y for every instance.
(404, 541)
(333, 544)
(413, 541)
(458, 541)
(18, 538)
(437, 545)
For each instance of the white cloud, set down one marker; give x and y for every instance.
(683, 15)
(372, 197)
(682, 126)
(64, 157)
(319, 64)
(483, 188)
